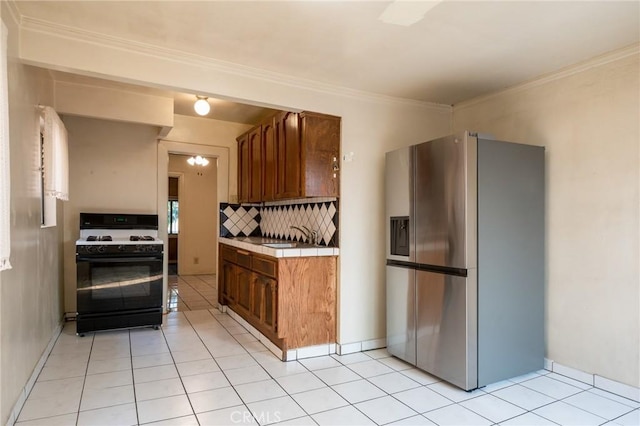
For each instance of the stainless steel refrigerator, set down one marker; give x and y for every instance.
(465, 258)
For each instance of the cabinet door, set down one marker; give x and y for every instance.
(244, 288)
(289, 162)
(229, 283)
(255, 169)
(257, 296)
(320, 136)
(270, 318)
(244, 165)
(269, 159)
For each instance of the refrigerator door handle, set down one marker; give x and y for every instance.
(446, 270)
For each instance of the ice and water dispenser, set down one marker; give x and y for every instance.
(400, 236)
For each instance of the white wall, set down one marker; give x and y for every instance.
(212, 138)
(369, 130)
(588, 122)
(370, 126)
(191, 134)
(112, 169)
(198, 208)
(113, 104)
(30, 292)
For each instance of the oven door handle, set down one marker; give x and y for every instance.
(119, 259)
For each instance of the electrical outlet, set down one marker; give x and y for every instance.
(196, 260)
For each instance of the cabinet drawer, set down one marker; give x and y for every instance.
(244, 258)
(264, 266)
(229, 254)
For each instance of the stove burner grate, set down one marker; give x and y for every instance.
(141, 238)
(99, 238)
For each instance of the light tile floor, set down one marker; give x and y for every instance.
(203, 368)
(192, 292)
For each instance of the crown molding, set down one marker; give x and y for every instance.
(597, 61)
(163, 53)
(12, 6)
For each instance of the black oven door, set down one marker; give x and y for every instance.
(116, 285)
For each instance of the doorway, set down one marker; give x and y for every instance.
(225, 179)
(192, 213)
(173, 223)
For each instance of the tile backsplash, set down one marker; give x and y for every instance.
(274, 219)
(239, 220)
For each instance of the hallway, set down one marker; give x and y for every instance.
(192, 292)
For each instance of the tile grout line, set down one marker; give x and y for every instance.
(164, 336)
(197, 328)
(265, 370)
(133, 379)
(258, 363)
(205, 299)
(84, 379)
(13, 416)
(216, 362)
(201, 295)
(367, 380)
(568, 403)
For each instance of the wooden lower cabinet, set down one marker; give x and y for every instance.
(244, 280)
(257, 298)
(292, 301)
(271, 304)
(264, 297)
(227, 286)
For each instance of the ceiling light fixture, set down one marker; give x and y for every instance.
(198, 161)
(201, 106)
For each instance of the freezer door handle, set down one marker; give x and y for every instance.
(446, 270)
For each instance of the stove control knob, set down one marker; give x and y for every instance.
(121, 247)
(102, 249)
(90, 249)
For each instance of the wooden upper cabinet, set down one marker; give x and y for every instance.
(244, 166)
(291, 155)
(289, 163)
(320, 135)
(269, 160)
(255, 149)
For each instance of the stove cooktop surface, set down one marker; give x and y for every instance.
(118, 237)
(116, 241)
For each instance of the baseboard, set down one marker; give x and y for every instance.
(17, 407)
(599, 382)
(291, 354)
(365, 345)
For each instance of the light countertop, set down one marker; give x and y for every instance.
(255, 245)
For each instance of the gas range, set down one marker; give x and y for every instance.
(118, 234)
(119, 272)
